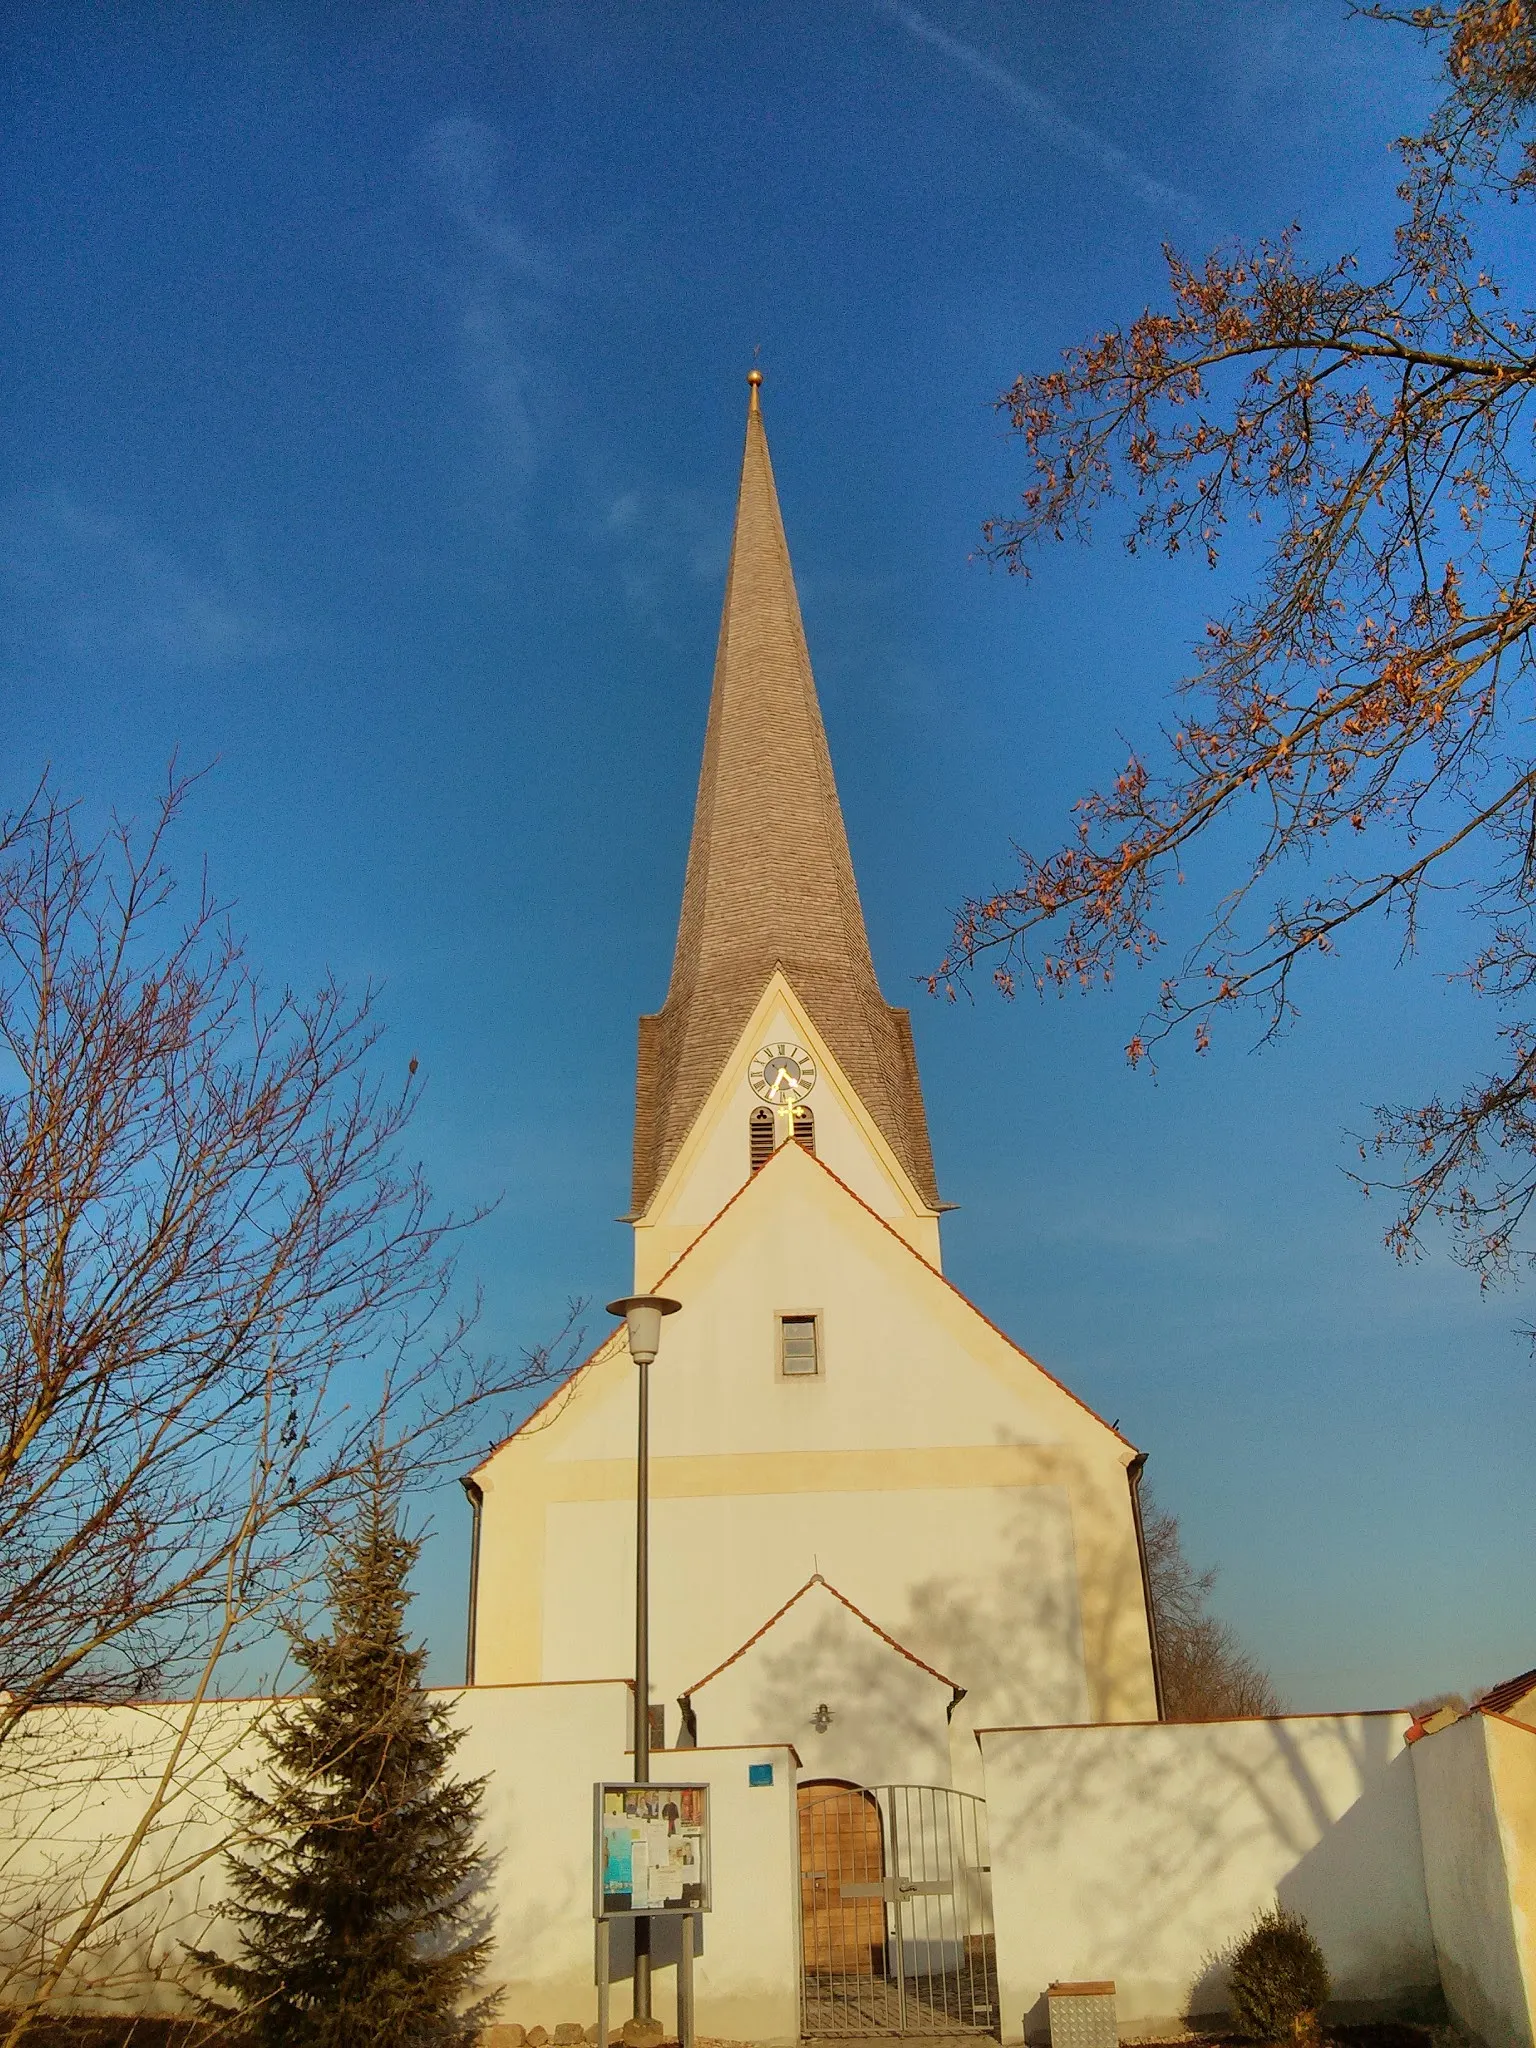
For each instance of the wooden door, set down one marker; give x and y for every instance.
(841, 1842)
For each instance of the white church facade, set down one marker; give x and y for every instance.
(876, 1523)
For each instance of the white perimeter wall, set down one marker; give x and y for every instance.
(1140, 1852)
(75, 1788)
(1477, 1810)
(543, 1748)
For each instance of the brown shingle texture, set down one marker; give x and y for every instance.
(769, 880)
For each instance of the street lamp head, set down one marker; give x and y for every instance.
(643, 1314)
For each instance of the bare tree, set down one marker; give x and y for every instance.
(1368, 708)
(1207, 1673)
(217, 1272)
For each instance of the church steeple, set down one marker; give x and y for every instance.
(770, 880)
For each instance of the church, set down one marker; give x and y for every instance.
(901, 1648)
(877, 1524)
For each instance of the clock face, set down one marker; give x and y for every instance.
(783, 1073)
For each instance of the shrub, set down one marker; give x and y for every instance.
(1277, 1978)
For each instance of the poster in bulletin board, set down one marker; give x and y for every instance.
(651, 1853)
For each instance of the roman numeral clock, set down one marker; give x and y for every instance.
(783, 1075)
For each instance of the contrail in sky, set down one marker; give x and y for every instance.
(1054, 125)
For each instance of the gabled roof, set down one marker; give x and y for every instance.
(568, 1383)
(981, 1314)
(858, 1614)
(770, 879)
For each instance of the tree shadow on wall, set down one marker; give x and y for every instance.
(1197, 1826)
(1024, 1640)
(886, 1718)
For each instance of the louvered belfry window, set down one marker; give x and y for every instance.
(760, 1130)
(805, 1129)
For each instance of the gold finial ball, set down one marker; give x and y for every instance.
(754, 378)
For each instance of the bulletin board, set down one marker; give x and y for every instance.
(651, 1850)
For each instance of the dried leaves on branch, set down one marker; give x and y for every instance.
(1366, 713)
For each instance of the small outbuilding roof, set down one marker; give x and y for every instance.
(1513, 1699)
(1505, 1697)
(858, 1613)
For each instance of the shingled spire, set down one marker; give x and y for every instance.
(770, 881)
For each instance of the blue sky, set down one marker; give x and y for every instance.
(373, 400)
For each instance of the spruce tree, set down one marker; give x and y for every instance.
(355, 1911)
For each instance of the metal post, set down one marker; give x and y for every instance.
(602, 1983)
(642, 1315)
(642, 1999)
(895, 1890)
(685, 1987)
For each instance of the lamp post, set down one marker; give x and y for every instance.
(642, 1315)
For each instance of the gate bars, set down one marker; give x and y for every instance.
(896, 1912)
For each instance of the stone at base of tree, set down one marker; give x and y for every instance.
(570, 2034)
(503, 2035)
(642, 2034)
(536, 2037)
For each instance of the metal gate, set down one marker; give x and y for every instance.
(895, 1911)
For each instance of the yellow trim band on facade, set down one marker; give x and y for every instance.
(731, 1474)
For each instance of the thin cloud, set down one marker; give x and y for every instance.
(1044, 115)
(655, 535)
(87, 584)
(464, 159)
(498, 285)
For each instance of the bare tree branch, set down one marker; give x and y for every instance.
(224, 1294)
(1369, 707)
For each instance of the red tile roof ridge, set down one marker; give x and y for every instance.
(695, 1241)
(996, 1330)
(816, 1579)
(592, 1357)
(1509, 1721)
(1507, 1693)
(564, 1387)
(1218, 1721)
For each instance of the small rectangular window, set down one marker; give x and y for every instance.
(798, 1353)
